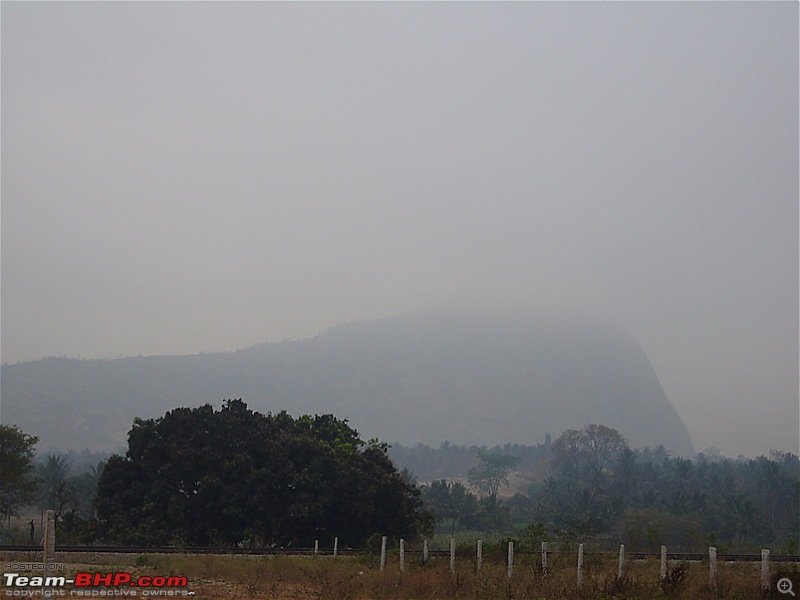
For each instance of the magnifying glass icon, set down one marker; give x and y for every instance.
(785, 586)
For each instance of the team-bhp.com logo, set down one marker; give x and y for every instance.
(95, 584)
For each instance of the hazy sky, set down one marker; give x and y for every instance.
(185, 177)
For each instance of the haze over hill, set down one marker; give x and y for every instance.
(470, 378)
(184, 177)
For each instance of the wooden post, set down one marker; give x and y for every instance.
(712, 567)
(621, 568)
(316, 547)
(335, 546)
(663, 571)
(383, 553)
(765, 569)
(425, 550)
(480, 554)
(452, 555)
(510, 559)
(402, 555)
(544, 557)
(580, 565)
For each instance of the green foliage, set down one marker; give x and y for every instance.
(17, 480)
(492, 516)
(532, 536)
(675, 580)
(54, 491)
(374, 543)
(202, 477)
(450, 501)
(599, 486)
(492, 472)
(455, 460)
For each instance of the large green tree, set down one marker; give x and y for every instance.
(17, 480)
(199, 476)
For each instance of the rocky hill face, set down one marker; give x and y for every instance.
(470, 378)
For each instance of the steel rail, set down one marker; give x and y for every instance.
(677, 556)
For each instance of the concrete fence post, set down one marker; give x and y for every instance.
(510, 559)
(335, 546)
(425, 550)
(662, 574)
(480, 554)
(544, 557)
(316, 547)
(49, 545)
(402, 555)
(580, 565)
(712, 567)
(764, 569)
(452, 555)
(621, 568)
(383, 553)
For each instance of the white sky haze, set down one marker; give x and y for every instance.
(203, 176)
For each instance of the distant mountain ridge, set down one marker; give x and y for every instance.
(470, 378)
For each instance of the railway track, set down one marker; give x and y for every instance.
(677, 556)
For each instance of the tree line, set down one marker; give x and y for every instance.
(233, 476)
(597, 487)
(199, 477)
(455, 460)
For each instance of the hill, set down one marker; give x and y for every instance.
(470, 378)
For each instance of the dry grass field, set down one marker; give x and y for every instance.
(361, 578)
(218, 577)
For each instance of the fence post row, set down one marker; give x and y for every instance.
(50, 542)
(49, 554)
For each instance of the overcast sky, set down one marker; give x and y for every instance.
(186, 177)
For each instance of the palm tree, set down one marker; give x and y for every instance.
(438, 500)
(52, 473)
(464, 503)
(744, 517)
(769, 485)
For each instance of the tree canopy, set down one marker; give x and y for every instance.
(492, 472)
(598, 485)
(198, 476)
(17, 480)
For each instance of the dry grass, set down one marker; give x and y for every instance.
(223, 577)
(359, 578)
